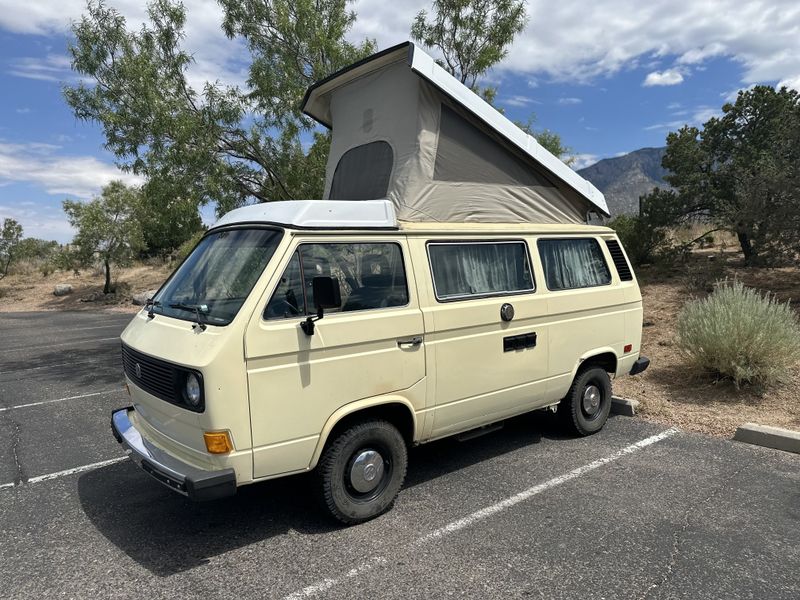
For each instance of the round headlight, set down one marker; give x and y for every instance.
(192, 389)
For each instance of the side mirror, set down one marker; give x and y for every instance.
(327, 294)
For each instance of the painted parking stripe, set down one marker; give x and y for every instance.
(114, 391)
(479, 515)
(65, 472)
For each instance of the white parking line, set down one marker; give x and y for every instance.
(65, 472)
(326, 584)
(118, 390)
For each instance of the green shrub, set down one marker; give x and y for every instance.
(187, 246)
(642, 241)
(740, 334)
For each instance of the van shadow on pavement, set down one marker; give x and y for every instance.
(168, 534)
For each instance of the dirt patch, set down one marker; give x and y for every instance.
(671, 393)
(33, 292)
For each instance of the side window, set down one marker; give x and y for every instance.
(573, 263)
(287, 300)
(479, 269)
(370, 276)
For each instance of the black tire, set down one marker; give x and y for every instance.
(584, 418)
(338, 474)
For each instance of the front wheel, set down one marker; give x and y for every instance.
(584, 410)
(361, 471)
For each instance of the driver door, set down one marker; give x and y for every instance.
(371, 346)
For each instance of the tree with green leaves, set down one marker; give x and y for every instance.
(10, 237)
(36, 249)
(741, 172)
(471, 35)
(108, 228)
(220, 143)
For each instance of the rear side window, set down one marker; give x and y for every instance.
(464, 270)
(573, 263)
(370, 276)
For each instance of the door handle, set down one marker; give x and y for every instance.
(414, 341)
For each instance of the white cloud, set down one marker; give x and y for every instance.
(216, 57)
(579, 41)
(667, 77)
(569, 41)
(698, 55)
(39, 220)
(697, 117)
(53, 67)
(23, 111)
(569, 101)
(517, 101)
(42, 165)
(790, 82)
(584, 160)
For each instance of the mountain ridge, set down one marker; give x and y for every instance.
(623, 179)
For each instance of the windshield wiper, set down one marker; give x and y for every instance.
(197, 309)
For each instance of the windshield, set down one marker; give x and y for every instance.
(213, 282)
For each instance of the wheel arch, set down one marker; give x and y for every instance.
(600, 357)
(394, 409)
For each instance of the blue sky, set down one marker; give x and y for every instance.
(610, 77)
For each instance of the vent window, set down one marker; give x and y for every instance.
(623, 268)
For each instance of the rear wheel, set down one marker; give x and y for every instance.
(585, 408)
(361, 471)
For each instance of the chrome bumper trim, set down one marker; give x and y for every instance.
(196, 484)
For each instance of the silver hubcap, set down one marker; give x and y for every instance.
(367, 471)
(591, 400)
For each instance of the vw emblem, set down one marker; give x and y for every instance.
(138, 370)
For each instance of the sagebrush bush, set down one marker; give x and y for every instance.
(740, 334)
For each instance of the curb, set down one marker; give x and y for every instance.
(623, 406)
(770, 437)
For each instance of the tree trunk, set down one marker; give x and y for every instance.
(107, 287)
(747, 247)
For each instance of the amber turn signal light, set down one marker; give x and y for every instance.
(218, 442)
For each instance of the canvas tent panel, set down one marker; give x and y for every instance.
(448, 156)
(465, 153)
(381, 106)
(363, 172)
(463, 202)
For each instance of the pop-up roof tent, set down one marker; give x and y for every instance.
(406, 130)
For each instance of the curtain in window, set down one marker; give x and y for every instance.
(570, 264)
(479, 269)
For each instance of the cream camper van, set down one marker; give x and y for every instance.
(446, 282)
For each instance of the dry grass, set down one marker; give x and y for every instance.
(31, 291)
(671, 393)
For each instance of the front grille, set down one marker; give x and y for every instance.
(620, 263)
(157, 377)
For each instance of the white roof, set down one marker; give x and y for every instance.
(327, 214)
(317, 105)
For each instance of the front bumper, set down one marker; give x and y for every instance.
(196, 484)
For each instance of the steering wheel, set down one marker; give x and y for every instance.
(278, 308)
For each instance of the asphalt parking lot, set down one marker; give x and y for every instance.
(637, 511)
